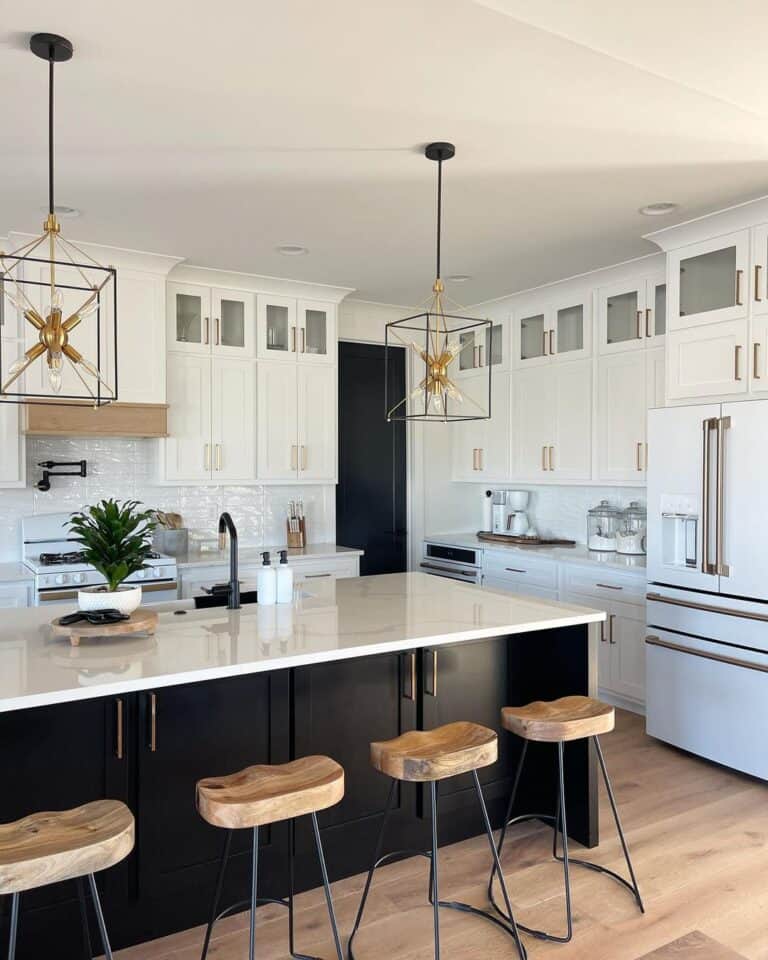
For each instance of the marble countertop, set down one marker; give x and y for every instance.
(576, 554)
(330, 620)
(247, 555)
(15, 573)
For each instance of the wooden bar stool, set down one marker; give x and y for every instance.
(69, 845)
(256, 797)
(558, 721)
(427, 757)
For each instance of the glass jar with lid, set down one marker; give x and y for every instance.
(602, 526)
(630, 538)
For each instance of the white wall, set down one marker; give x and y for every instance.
(123, 468)
(363, 321)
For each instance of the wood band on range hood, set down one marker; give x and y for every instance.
(81, 420)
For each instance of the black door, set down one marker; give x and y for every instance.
(371, 493)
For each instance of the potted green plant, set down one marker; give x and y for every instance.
(116, 539)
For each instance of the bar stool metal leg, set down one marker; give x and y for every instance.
(327, 888)
(100, 917)
(15, 897)
(254, 887)
(433, 872)
(87, 945)
(508, 819)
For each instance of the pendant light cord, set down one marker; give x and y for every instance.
(439, 212)
(50, 133)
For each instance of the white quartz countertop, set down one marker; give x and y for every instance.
(576, 554)
(248, 555)
(14, 573)
(331, 620)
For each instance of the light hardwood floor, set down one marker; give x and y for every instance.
(698, 835)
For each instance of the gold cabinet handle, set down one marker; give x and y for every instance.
(218, 331)
(551, 458)
(153, 723)
(737, 362)
(411, 694)
(758, 268)
(648, 321)
(218, 456)
(604, 632)
(480, 356)
(294, 457)
(639, 324)
(544, 343)
(480, 458)
(756, 360)
(207, 456)
(608, 586)
(551, 343)
(639, 456)
(207, 330)
(119, 723)
(544, 458)
(303, 340)
(646, 457)
(303, 455)
(739, 275)
(432, 691)
(611, 624)
(293, 339)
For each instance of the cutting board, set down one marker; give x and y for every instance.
(523, 541)
(140, 621)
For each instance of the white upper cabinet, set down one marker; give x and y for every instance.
(233, 421)
(570, 330)
(708, 361)
(203, 320)
(632, 314)
(296, 331)
(532, 330)
(570, 452)
(187, 453)
(481, 448)
(140, 337)
(533, 410)
(622, 405)
(709, 281)
(317, 424)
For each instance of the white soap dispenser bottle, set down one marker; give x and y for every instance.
(266, 581)
(284, 579)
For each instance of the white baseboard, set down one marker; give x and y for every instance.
(623, 703)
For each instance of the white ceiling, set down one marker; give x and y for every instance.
(216, 131)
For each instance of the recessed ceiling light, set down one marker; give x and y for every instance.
(658, 209)
(459, 277)
(68, 213)
(291, 249)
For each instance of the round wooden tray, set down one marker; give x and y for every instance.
(140, 621)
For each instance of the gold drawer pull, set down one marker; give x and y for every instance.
(608, 586)
(119, 719)
(411, 695)
(737, 362)
(756, 361)
(153, 722)
(432, 692)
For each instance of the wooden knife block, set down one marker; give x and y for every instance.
(297, 539)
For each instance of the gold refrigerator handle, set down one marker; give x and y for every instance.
(706, 567)
(723, 424)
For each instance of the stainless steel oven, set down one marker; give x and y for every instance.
(454, 562)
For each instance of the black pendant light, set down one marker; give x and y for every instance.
(444, 341)
(57, 288)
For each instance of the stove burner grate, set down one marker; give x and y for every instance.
(56, 559)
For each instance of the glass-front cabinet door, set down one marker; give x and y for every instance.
(709, 281)
(570, 336)
(189, 318)
(276, 328)
(621, 316)
(233, 328)
(532, 338)
(482, 347)
(316, 331)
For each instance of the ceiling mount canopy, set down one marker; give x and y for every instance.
(440, 339)
(55, 287)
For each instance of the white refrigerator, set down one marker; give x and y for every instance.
(707, 612)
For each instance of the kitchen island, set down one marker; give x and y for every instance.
(142, 719)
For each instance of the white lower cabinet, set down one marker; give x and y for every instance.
(708, 361)
(297, 423)
(211, 420)
(15, 595)
(520, 574)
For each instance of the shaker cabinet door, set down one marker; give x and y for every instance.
(317, 423)
(234, 420)
(709, 281)
(188, 447)
(621, 415)
(277, 422)
(570, 452)
(708, 361)
(533, 409)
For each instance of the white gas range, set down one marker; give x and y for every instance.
(55, 560)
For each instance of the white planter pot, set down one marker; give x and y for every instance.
(125, 599)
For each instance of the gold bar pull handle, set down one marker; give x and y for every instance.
(756, 360)
(544, 458)
(648, 322)
(739, 276)
(723, 570)
(551, 343)
(480, 453)
(218, 456)
(544, 342)
(705, 467)
(432, 691)
(737, 362)
(552, 458)
(119, 724)
(604, 632)
(206, 456)
(480, 356)
(411, 692)
(153, 723)
(294, 457)
(639, 456)
(758, 269)
(207, 330)
(611, 625)
(218, 331)
(303, 454)
(639, 324)
(293, 339)
(303, 340)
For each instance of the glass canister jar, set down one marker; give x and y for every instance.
(602, 526)
(633, 523)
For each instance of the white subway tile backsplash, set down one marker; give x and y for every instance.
(124, 469)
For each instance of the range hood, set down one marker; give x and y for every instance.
(82, 420)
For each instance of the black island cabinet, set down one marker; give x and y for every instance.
(150, 747)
